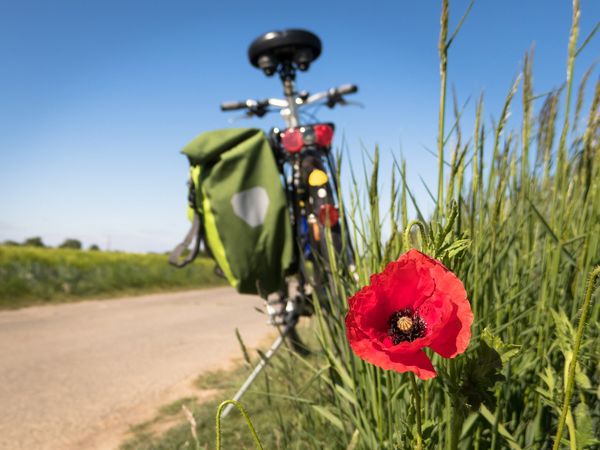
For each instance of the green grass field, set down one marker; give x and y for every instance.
(517, 219)
(30, 275)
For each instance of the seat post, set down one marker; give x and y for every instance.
(287, 73)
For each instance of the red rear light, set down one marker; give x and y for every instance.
(323, 134)
(292, 140)
(329, 215)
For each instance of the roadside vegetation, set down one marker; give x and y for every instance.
(279, 425)
(32, 275)
(518, 221)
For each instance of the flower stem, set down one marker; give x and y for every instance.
(417, 397)
(248, 421)
(454, 411)
(407, 233)
(443, 53)
(456, 428)
(594, 274)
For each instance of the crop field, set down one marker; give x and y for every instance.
(517, 221)
(30, 275)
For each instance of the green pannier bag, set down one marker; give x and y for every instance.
(238, 208)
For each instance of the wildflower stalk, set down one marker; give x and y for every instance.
(417, 397)
(572, 54)
(578, 338)
(443, 52)
(448, 419)
(526, 127)
(454, 412)
(248, 421)
(412, 223)
(193, 425)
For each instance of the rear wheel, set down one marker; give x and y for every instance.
(327, 252)
(322, 249)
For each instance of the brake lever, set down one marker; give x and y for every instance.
(252, 112)
(259, 112)
(353, 103)
(246, 115)
(342, 101)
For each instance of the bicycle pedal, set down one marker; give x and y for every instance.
(300, 306)
(276, 309)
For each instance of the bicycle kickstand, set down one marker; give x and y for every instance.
(259, 367)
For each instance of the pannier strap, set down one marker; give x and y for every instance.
(195, 232)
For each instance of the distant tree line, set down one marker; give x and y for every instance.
(74, 244)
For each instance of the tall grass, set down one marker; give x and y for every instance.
(522, 234)
(518, 220)
(30, 275)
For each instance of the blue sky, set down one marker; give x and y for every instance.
(97, 98)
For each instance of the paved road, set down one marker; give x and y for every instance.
(76, 375)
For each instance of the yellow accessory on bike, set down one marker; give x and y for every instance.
(317, 178)
(316, 231)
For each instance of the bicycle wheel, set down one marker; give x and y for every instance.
(327, 252)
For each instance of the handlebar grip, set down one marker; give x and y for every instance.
(347, 89)
(230, 106)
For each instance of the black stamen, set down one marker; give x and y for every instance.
(416, 330)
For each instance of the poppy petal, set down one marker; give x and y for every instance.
(371, 351)
(417, 362)
(396, 286)
(457, 332)
(424, 287)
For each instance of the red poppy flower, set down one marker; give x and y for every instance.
(416, 302)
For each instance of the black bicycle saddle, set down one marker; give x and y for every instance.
(271, 49)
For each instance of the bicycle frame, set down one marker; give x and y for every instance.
(305, 203)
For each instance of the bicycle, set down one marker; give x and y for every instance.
(309, 175)
(307, 166)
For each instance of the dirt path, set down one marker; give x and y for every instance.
(77, 375)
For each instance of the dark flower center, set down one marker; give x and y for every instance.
(405, 325)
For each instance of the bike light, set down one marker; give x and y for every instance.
(317, 178)
(324, 134)
(329, 215)
(292, 140)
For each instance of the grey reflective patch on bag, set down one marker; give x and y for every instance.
(251, 205)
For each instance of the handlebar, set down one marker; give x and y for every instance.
(231, 106)
(346, 89)
(259, 107)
